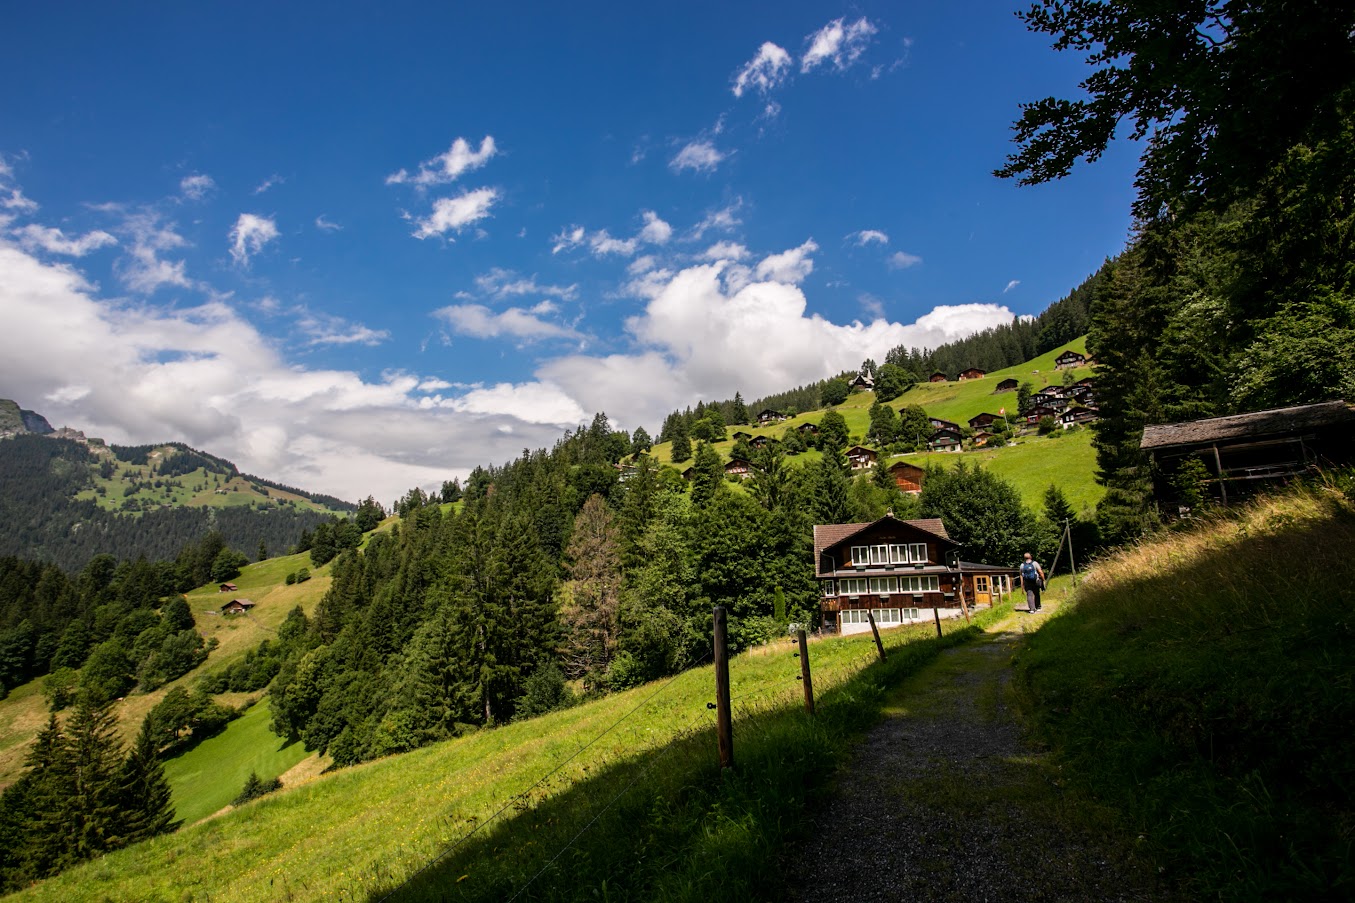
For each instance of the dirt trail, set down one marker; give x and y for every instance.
(944, 800)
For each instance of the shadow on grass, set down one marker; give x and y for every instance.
(667, 824)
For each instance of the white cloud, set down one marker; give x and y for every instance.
(54, 241)
(568, 238)
(902, 260)
(500, 283)
(18, 203)
(249, 235)
(642, 264)
(726, 219)
(324, 225)
(480, 322)
(603, 244)
(873, 306)
(697, 339)
(204, 375)
(868, 236)
(449, 166)
(454, 214)
(197, 186)
(268, 183)
(840, 44)
(790, 267)
(1011, 285)
(325, 329)
(725, 250)
(700, 156)
(655, 230)
(142, 269)
(764, 72)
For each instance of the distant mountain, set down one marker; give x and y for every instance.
(65, 497)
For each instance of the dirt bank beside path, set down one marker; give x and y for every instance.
(944, 800)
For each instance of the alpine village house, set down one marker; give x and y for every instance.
(899, 570)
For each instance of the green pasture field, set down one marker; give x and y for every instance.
(631, 787)
(207, 777)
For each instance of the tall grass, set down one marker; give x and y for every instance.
(1201, 683)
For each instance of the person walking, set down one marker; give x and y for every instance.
(1032, 581)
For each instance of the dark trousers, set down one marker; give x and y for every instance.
(1032, 588)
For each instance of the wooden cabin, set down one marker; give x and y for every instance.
(808, 429)
(862, 383)
(945, 441)
(1244, 452)
(739, 469)
(226, 588)
(971, 373)
(980, 439)
(761, 442)
(237, 607)
(937, 377)
(742, 435)
(978, 421)
(861, 457)
(770, 416)
(1070, 358)
(1074, 416)
(939, 424)
(1007, 385)
(985, 584)
(908, 477)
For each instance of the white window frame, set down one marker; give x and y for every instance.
(828, 588)
(853, 586)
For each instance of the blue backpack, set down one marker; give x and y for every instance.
(1030, 572)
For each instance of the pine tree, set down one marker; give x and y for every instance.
(682, 445)
(741, 416)
(144, 801)
(832, 503)
(87, 769)
(592, 596)
(708, 475)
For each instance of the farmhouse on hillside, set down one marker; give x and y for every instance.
(1070, 358)
(937, 377)
(863, 382)
(808, 429)
(861, 457)
(971, 373)
(1246, 451)
(939, 424)
(908, 477)
(226, 588)
(981, 420)
(946, 440)
(897, 570)
(770, 416)
(1007, 385)
(237, 607)
(738, 469)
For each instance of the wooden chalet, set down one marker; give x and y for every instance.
(937, 377)
(945, 441)
(1070, 358)
(770, 416)
(738, 469)
(908, 477)
(1035, 414)
(742, 435)
(1058, 391)
(971, 373)
(1007, 385)
(761, 442)
(939, 424)
(226, 588)
(978, 421)
(980, 439)
(1246, 451)
(1074, 416)
(897, 570)
(862, 383)
(237, 607)
(861, 457)
(808, 429)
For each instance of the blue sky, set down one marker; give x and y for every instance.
(360, 248)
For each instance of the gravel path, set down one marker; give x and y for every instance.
(945, 801)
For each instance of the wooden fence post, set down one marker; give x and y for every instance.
(870, 616)
(937, 613)
(804, 671)
(724, 725)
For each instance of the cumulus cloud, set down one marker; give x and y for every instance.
(456, 213)
(867, 237)
(902, 260)
(791, 267)
(500, 283)
(764, 72)
(602, 243)
(54, 241)
(197, 186)
(569, 237)
(481, 322)
(143, 269)
(1011, 285)
(696, 339)
(725, 250)
(204, 375)
(249, 235)
(837, 43)
(449, 166)
(700, 156)
(655, 230)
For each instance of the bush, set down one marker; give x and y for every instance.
(545, 691)
(1047, 425)
(255, 788)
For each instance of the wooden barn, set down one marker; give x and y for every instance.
(937, 377)
(1244, 452)
(978, 421)
(770, 416)
(226, 588)
(1007, 385)
(971, 373)
(908, 477)
(237, 607)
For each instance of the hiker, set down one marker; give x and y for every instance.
(1032, 581)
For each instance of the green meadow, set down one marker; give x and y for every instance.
(626, 789)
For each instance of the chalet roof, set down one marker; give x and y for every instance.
(243, 603)
(974, 566)
(768, 412)
(906, 465)
(1276, 421)
(828, 535)
(1068, 352)
(861, 449)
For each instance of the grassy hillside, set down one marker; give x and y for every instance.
(24, 712)
(1032, 464)
(1201, 684)
(636, 773)
(207, 777)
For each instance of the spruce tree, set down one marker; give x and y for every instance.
(87, 769)
(831, 502)
(144, 802)
(740, 410)
(682, 445)
(708, 475)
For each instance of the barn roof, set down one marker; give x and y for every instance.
(828, 535)
(1276, 421)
